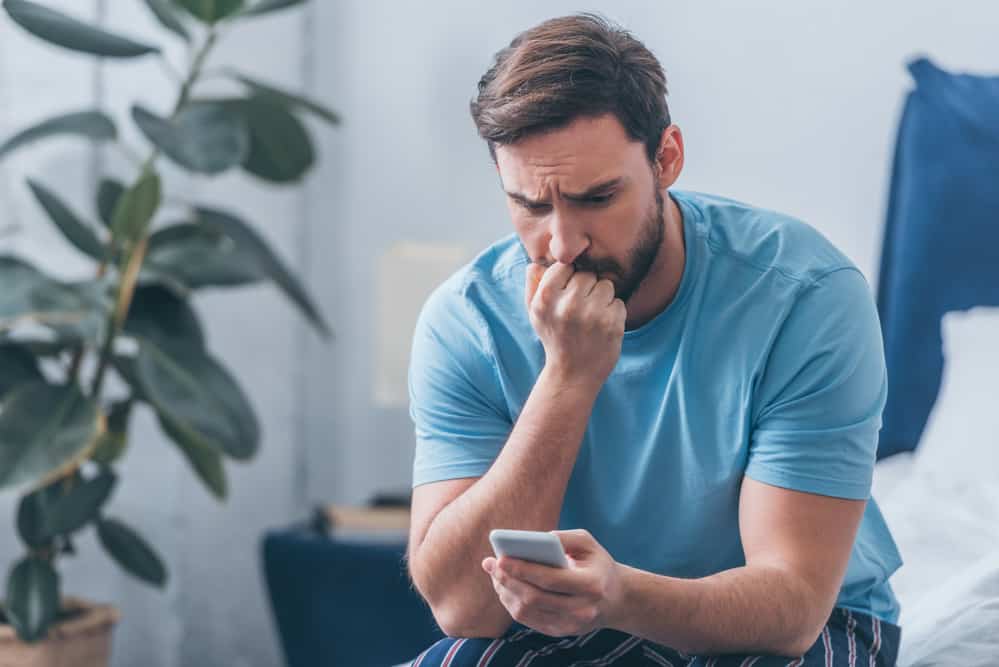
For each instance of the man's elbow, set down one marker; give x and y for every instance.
(799, 646)
(806, 634)
(461, 623)
(458, 618)
(457, 612)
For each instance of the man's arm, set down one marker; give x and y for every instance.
(797, 548)
(523, 489)
(581, 325)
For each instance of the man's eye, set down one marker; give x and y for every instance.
(535, 209)
(597, 200)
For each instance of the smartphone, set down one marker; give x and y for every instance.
(533, 545)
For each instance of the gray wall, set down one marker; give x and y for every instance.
(787, 105)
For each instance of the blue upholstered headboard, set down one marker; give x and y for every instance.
(941, 243)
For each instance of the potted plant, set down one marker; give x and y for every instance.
(77, 358)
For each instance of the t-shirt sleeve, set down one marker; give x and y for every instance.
(817, 411)
(457, 409)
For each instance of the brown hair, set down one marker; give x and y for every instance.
(566, 68)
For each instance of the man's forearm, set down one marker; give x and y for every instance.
(743, 610)
(523, 489)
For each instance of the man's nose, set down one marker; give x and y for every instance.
(567, 240)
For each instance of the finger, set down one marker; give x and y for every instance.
(558, 580)
(540, 620)
(581, 283)
(532, 596)
(621, 311)
(603, 292)
(535, 272)
(577, 542)
(556, 276)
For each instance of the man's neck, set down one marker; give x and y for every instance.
(660, 286)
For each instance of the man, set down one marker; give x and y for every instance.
(689, 387)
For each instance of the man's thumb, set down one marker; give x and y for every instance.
(576, 542)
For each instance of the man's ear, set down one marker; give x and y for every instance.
(669, 158)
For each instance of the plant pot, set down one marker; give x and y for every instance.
(81, 641)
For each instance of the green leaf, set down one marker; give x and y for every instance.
(205, 461)
(114, 440)
(126, 368)
(20, 280)
(91, 124)
(268, 6)
(159, 316)
(281, 150)
(32, 598)
(17, 366)
(131, 552)
(211, 11)
(77, 232)
(31, 514)
(165, 14)
(38, 345)
(198, 256)
(252, 246)
(71, 33)
(152, 275)
(286, 98)
(108, 193)
(136, 207)
(205, 137)
(73, 311)
(31, 520)
(43, 428)
(199, 398)
(80, 505)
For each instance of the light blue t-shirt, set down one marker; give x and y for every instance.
(768, 362)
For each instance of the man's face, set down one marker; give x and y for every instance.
(585, 195)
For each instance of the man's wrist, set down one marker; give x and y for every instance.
(624, 604)
(563, 380)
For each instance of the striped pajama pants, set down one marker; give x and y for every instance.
(848, 639)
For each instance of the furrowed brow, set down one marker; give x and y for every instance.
(594, 190)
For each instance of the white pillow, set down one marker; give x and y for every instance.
(961, 440)
(943, 505)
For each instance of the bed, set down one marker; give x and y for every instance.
(938, 480)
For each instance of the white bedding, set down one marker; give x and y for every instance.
(942, 505)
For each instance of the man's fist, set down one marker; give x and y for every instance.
(578, 319)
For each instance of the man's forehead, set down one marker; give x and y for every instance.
(575, 158)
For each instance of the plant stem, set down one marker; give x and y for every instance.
(132, 264)
(195, 72)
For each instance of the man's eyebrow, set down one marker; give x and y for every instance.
(592, 191)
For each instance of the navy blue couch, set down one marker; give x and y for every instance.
(343, 603)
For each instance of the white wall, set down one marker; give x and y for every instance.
(789, 105)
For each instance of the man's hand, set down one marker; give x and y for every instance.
(561, 601)
(579, 321)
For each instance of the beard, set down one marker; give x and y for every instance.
(641, 257)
